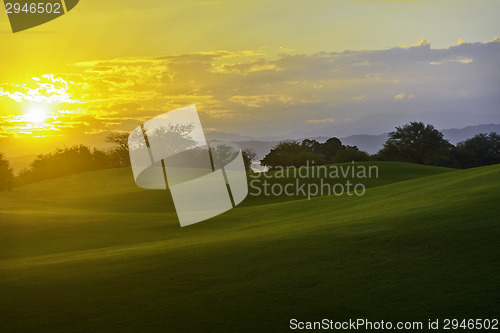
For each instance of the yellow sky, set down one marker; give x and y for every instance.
(110, 29)
(107, 65)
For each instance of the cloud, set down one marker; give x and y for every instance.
(44, 89)
(422, 43)
(496, 39)
(319, 121)
(253, 93)
(403, 95)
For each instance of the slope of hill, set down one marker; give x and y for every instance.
(91, 252)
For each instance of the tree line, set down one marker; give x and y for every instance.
(415, 142)
(80, 158)
(66, 161)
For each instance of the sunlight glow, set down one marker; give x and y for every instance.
(36, 114)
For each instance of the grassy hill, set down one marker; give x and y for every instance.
(92, 252)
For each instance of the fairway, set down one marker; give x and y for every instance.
(94, 253)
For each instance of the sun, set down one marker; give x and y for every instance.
(36, 114)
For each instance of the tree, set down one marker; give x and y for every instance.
(6, 175)
(480, 150)
(119, 154)
(350, 154)
(223, 153)
(119, 139)
(311, 152)
(330, 148)
(174, 138)
(249, 157)
(312, 146)
(283, 154)
(64, 161)
(416, 143)
(307, 158)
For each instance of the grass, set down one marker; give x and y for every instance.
(92, 252)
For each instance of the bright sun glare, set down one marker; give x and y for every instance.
(36, 114)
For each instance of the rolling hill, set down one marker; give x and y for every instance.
(92, 252)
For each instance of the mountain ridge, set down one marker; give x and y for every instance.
(371, 143)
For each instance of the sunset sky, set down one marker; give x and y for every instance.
(261, 68)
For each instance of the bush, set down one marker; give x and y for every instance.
(6, 175)
(65, 161)
(480, 150)
(311, 152)
(350, 154)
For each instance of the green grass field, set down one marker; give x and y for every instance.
(94, 253)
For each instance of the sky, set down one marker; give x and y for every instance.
(261, 68)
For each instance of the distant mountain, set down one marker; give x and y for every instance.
(261, 148)
(373, 143)
(455, 135)
(369, 143)
(228, 137)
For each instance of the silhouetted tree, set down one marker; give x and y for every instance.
(64, 161)
(223, 154)
(310, 152)
(307, 158)
(312, 146)
(174, 138)
(349, 154)
(283, 154)
(480, 150)
(330, 148)
(119, 139)
(249, 157)
(6, 175)
(416, 143)
(119, 154)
